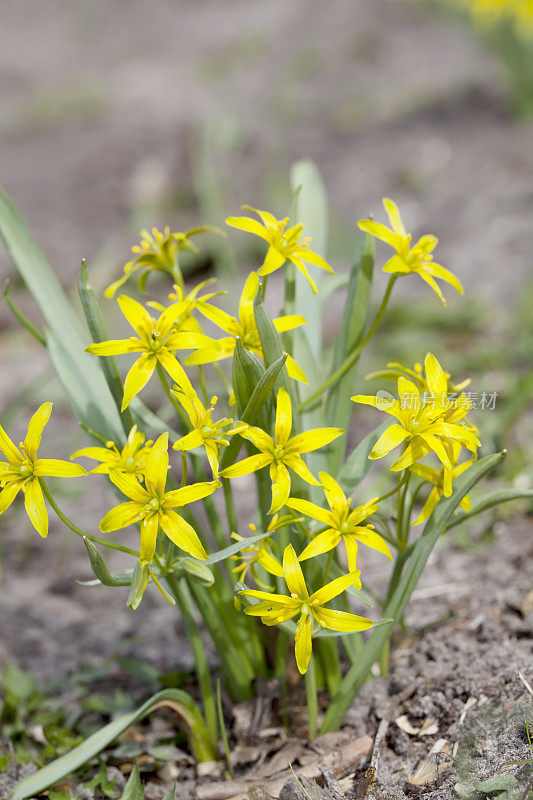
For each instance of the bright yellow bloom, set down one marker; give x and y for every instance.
(23, 470)
(156, 341)
(154, 508)
(417, 259)
(440, 479)
(424, 424)
(245, 329)
(395, 370)
(187, 303)
(343, 523)
(131, 459)
(258, 553)
(275, 608)
(281, 452)
(158, 251)
(205, 432)
(284, 245)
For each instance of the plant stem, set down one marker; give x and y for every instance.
(175, 403)
(223, 733)
(230, 506)
(180, 591)
(354, 355)
(66, 521)
(311, 694)
(22, 318)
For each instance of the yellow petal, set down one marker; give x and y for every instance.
(436, 378)
(351, 552)
(314, 258)
(372, 539)
(246, 466)
(303, 644)
(116, 347)
(299, 264)
(281, 486)
(283, 417)
(289, 322)
(334, 494)
(431, 282)
(341, 620)
(136, 314)
(429, 505)
(149, 528)
(293, 574)
(381, 232)
(190, 494)
(389, 439)
(299, 466)
(273, 261)
(310, 509)
(137, 378)
(414, 451)
(438, 271)
(190, 441)
(312, 440)
(121, 516)
(249, 225)
(175, 370)
(130, 486)
(332, 589)
(156, 469)
(99, 453)
(393, 214)
(259, 438)
(322, 543)
(52, 467)
(246, 302)
(182, 534)
(35, 507)
(7, 447)
(35, 429)
(295, 371)
(8, 494)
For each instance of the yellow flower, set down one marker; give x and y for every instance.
(154, 508)
(245, 329)
(424, 424)
(342, 523)
(158, 251)
(23, 470)
(205, 432)
(281, 452)
(186, 303)
(284, 245)
(395, 370)
(258, 553)
(131, 459)
(275, 608)
(156, 341)
(441, 479)
(417, 259)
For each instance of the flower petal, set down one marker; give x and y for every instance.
(190, 494)
(249, 225)
(273, 261)
(303, 646)
(116, 347)
(435, 377)
(438, 271)
(8, 494)
(175, 370)
(295, 371)
(283, 417)
(322, 543)
(7, 447)
(182, 534)
(52, 467)
(35, 430)
(334, 494)
(389, 439)
(312, 440)
(299, 466)
(332, 589)
(246, 466)
(341, 620)
(156, 468)
(259, 438)
(310, 509)
(136, 314)
(289, 322)
(35, 507)
(121, 516)
(138, 376)
(130, 486)
(281, 486)
(292, 572)
(149, 528)
(395, 219)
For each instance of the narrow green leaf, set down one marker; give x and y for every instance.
(232, 549)
(96, 324)
(176, 699)
(338, 405)
(79, 371)
(357, 674)
(133, 789)
(312, 212)
(247, 371)
(489, 500)
(358, 465)
(259, 397)
(100, 569)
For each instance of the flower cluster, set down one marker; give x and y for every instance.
(173, 340)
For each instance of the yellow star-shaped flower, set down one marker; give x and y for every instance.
(155, 508)
(23, 470)
(284, 244)
(131, 459)
(343, 523)
(275, 608)
(281, 452)
(245, 329)
(417, 259)
(156, 341)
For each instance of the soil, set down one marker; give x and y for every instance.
(102, 120)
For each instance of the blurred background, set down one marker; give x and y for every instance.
(121, 114)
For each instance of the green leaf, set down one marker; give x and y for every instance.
(179, 701)
(79, 372)
(339, 405)
(247, 371)
(497, 783)
(394, 609)
(133, 789)
(358, 465)
(489, 500)
(100, 569)
(311, 210)
(221, 555)
(198, 571)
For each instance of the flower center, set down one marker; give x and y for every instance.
(152, 506)
(26, 470)
(130, 464)
(279, 452)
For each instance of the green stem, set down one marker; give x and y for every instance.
(230, 506)
(311, 694)
(354, 355)
(401, 529)
(22, 318)
(328, 565)
(202, 384)
(223, 733)
(66, 521)
(175, 403)
(180, 591)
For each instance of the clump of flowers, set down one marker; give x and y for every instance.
(298, 570)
